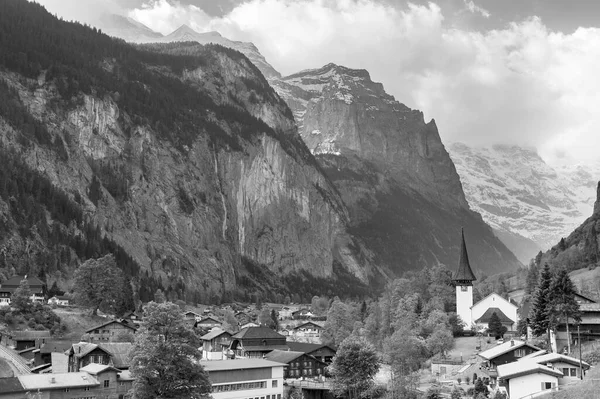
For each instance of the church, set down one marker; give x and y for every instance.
(477, 316)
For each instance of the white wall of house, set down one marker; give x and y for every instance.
(525, 385)
(495, 301)
(572, 372)
(273, 389)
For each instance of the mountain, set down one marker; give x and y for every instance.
(126, 28)
(187, 167)
(581, 248)
(529, 204)
(402, 190)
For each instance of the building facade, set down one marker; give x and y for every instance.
(112, 331)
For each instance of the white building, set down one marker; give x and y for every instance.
(245, 378)
(570, 367)
(525, 378)
(478, 315)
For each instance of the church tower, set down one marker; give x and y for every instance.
(463, 279)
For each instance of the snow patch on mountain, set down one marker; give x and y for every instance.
(520, 195)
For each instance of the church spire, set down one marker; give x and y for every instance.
(464, 274)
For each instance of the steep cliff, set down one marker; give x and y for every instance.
(189, 164)
(402, 190)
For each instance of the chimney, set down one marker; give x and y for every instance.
(512, 342)
(52, 380)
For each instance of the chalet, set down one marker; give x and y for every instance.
(208, 323)
(299, 364)
(192, 315)
(243, 318)
(214, 342)
(525, 378)
(302, 314)
(251, 324)
(112, 331)
(245, 378)
(59, 300)
(308, 330)
(508, 352)
(324, 353)
(37, 287)
(285, 313)
(22, 340)
(115, 354)
(589, 328)
(255, 342)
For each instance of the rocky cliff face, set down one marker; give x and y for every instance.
(530, 204)
(403, 193)
(209, 214)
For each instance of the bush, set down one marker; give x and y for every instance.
(31, 323)
(40, 327)
(592, 357)
(470, 391)
(9, 318)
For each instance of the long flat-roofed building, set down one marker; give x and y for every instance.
(245, 378)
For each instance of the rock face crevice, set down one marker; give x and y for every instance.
(402, 191)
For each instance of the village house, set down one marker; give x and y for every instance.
(111, 331)
(285, 313)
(302, 314)
(243, 318)
(95, 381)
(308, 330)
(21, 340)
(245, 378)
(37, 287)
(59, 300)
(508, 352)
(251, 324)
(47, 352)
(208, 323)
(570, 367)
(192, 315)
(214, 343)
(115, 354)
(324, 353)
(525, 378)
(299, 364)
(255, 342)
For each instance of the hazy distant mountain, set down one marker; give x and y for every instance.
(127, 29)
(530, 204)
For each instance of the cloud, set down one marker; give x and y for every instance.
(475, 9)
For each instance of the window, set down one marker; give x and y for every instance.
(519, 352)
(106, 383)
(573, 372)
(464, 288)
(565, 371)
(86, 388)
(278, 396)
(66, 389)
(274, 384)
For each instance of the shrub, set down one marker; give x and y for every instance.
(40, 327)
(31, 323)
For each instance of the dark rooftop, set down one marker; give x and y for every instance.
(464, 272)
(485, 318)
(258, 332)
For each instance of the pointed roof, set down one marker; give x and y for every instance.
(464, 272)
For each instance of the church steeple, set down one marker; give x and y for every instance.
(464, 275)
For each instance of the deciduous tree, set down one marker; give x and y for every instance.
(21, 298)
(165, 357)
(354, 367)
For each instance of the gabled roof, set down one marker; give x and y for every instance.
(29, 335)
(526, 367)
(111, 322)
(506, 347)
(263, 348)
(209, 319)
(214, 334)
(464, 272)
(238, 364)
(119, 352)
(306, 347)
(487, 316)
(57, 380)
(81, 349)
(10, 384)
(56, 346)
(191, 312)
(283, 356)
(557, 357)
(588, 299)
(258, 332)
(16, 281)
(95, 368)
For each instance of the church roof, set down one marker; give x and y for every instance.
(485, 318)
(464, 272)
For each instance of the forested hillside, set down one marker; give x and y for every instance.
(178, 159)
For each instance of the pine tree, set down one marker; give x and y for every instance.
(495, 326)
(562, 304)
(539, 316)
(532, 278)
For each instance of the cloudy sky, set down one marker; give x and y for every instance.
(523, 72)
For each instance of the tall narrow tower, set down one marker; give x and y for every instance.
(463, 279)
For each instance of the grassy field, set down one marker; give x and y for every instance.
(77, 321)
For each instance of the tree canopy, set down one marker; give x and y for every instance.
(165, 357)
(353, 368)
